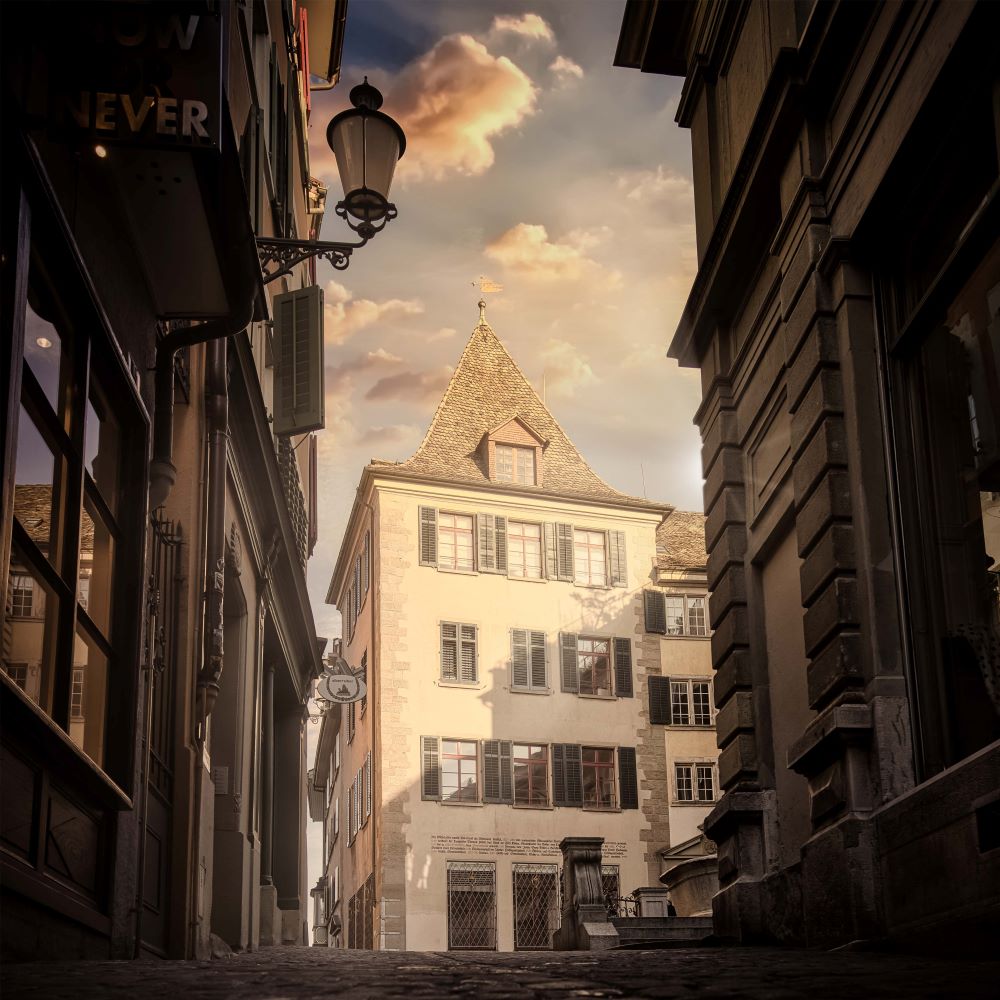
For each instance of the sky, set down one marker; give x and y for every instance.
(533, 162)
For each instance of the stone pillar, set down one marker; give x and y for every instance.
(651, 901)
(585, 924)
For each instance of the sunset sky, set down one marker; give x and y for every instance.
(532, 161)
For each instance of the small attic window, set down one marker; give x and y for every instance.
(515, 465)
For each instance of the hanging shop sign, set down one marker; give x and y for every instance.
(339, 684)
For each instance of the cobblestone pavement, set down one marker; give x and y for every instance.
(294, 973)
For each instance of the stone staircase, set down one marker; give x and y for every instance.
(662, 932)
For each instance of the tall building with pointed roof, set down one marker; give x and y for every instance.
(491, 588)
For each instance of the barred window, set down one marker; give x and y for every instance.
(531, 774)
(459, 656)
(459, 771)
(455, 541)
(611, 887)
(472, 906)
(536, 906)
(598, 778)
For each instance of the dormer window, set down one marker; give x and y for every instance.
(515, 465)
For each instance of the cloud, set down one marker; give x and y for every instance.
(443, 334)
(659, 185)
(416, 387)
(565, 70)
(392, 434)
(345, 315)
(372, 360)
(452, 102)
(527, 26)
(527, 249)
(565, 368)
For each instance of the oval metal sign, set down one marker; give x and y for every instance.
(341, 688)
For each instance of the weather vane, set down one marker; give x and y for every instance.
(485, 285)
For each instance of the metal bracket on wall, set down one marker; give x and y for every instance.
(278, 256)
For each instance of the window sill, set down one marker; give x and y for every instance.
(468, 685)
(457, 572)
(592, 586)
(465, 805)
(523, 690)
(601, 809)
(664, 635)
(596, 697)
(527, 579)
(707, 728)
(695, 802)
(525, 805)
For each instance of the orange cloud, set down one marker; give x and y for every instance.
(346, 315)
(527, 26)
(452, 102)
(416, 387)
(528, 250)
(565, 70)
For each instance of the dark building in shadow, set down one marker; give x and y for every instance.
(846, 320)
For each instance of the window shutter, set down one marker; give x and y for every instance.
(428, 536)
(468, 665)
(506, 771)
(617, 570)
(655, 604)
(368, 784)
(559, 774)
(537, 657)
(366, 562)
(298, 383)
(551, 559)
(449, 651)
(574, 775)
(487, 543)
(659, 701)
(364, 677)
(430, 765)
(564, 551)
(501, 544)
(628, 781)
(519, 657)
(491, 770)
(623, 668)
(568, 659)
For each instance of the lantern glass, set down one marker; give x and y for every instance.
(367, 145)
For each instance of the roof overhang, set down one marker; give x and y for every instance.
(325, 20)
(653, 36)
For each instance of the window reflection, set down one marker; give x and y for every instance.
(88, 697)
(34, 480)
(43, 345)
(97, 555)
(102, 446)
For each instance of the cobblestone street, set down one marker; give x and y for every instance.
(287, 973)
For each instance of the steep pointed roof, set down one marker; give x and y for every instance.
(487, 390)
(680, 541)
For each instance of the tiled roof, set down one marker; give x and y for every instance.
(680, 541)
(33, 508)
(486, 391)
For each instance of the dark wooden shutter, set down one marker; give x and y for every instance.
(537, 657)
(501, 529)
(298, 379)
(655, 604)
(551, 559)
(564, 551)
(574, 774)
(568, 660)
(486, 523)
(519, 676)
(628, 781)
(428, 536)
(617, 569)
(558, 774)
(623, 668)
(659, 700)
(430, 765)
(491, 770)
(506, 771)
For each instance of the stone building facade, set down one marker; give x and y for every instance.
(491, 589)
(845, 320)
(157, 640)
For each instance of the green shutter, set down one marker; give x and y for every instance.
(623, 668)
(568, 659)
(298, 380)
(428, 537)
(519, 674)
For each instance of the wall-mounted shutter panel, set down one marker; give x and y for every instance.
(628, 781)
(430, 765)
(617, 569)
(559, 774)
(655, 604)
(519, 657)
(468, 663)
(659, 700)
(366, 562)
(551, 559)
(298, 381)
(368, 785)
(537, 656)
(486, 524)
(564, 551)
(568, 660)
(357, 586)
(623, 668)
(574, 775)
(428, 536)
(501, 527)
(449, 651)
(506, 771)
(491, 770)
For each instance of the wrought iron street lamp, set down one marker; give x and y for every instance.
(367, 144)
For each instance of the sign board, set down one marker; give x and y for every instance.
(341, 688)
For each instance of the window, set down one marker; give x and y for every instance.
(524, 550)
(694, 782)
(364, 677)
(21, 594)
(594, 663)
(675, 614)
(459, 771)
(531, 774)
(455, 538)
(368, 785)
(611, 888)
(536, 906)
(76, 696)
(527, 660)
(459, 656)
(589, 558)
(515, 465)
(472, 906)
(18, 673)
(598, 778)
(336, 818)
(690, 703)
(696, 623)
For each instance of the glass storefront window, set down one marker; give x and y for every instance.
(96, 572)
(43, 349)
(35, 487)
(88, 697)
